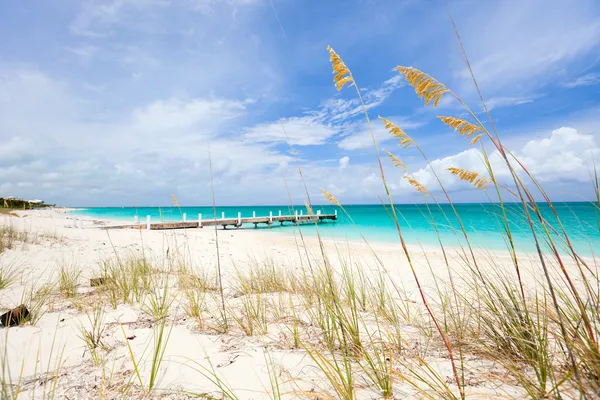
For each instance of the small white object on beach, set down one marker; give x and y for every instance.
(148, 219)
(184, 217)
(199, 220)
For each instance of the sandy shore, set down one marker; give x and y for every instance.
(51, 356)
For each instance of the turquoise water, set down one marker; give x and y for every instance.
(482, 222)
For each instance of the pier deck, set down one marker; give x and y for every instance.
(230, 222)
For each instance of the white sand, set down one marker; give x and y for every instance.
(240, 360)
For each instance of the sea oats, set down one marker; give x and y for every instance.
(476, 138)
(395, 160)
(398, 133)
(472, 177)
(426, 87)
(341, 71)
(309, 209)
(463, 126)
(330, 198)
(414, 183)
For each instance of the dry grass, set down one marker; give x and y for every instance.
(10, 237)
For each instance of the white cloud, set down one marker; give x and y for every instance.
(175, 114)
(302, 131)
(585, 80)
(316, 128)
(565, 155)
(344, 161)
(69, 154)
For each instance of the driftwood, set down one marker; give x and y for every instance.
(16, 316)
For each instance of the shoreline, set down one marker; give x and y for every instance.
(413, 246)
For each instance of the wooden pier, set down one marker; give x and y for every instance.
(230, 222)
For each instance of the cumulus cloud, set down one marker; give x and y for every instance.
(70, 155)
(565, 155)
(344, 161)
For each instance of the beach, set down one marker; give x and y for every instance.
(50, 356)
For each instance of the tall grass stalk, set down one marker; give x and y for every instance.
(8, 274)
(219, 274)
(160, 339)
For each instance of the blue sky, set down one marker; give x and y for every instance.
(117, 102)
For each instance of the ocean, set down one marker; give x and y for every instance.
(482, 222)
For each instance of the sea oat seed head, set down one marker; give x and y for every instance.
(463, 126)
(398, 133)
(330, 198)
(414, 183)
(395, 160)
(174, 199)
(309, 209)
(425, 86)
(341, 71)
(476, 138)
(472, 177)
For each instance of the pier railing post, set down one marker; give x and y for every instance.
(301, 212)
(253, 214)
(335, 212)
(280, 213)
(318, 212)
(239, 218)
(296, 215)
(270, 216)
(148, 224)
(184, 217)
(199, 220)
(223, 215)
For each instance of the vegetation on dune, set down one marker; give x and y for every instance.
(8, 203)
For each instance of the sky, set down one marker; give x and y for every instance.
(127, 102)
